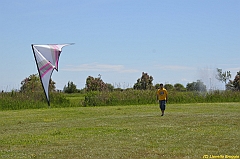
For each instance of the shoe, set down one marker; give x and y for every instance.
(162, 114)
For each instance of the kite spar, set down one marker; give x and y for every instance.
(47, 57)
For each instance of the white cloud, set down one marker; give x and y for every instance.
(99, 67)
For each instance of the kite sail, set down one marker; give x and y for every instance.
(47, 57)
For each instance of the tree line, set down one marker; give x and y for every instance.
(145, 82)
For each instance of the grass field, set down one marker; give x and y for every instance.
(186, 131)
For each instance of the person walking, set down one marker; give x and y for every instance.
(162, 97)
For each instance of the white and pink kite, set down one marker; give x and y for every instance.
(47, 57)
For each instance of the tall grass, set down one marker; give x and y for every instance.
(136, 97)
(125, 97)
(204, 97)
(34, 100)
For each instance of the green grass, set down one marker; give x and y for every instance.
(186, 131)
(75, 99)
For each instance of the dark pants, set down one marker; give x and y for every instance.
(162, 104)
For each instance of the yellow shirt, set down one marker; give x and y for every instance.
(162, 94)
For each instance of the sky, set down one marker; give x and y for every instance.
(174, 41)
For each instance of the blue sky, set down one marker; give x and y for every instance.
(175, 41)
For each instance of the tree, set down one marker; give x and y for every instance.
(223, 76)
(143, 83)
(110, 87)
(235, 84)
(70, 88)
(196, 86)
(33, 84)
(97, 84)
(179, 87)
(168, 87)
(230, 86)
(157, 86)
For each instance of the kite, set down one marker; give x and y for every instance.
(47, 57)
